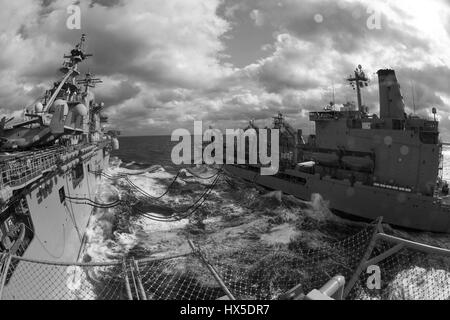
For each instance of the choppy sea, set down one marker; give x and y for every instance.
(120, 232)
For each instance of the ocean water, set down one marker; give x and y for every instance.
(138, 152)
(235, 212)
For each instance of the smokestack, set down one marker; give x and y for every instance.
(391, 99)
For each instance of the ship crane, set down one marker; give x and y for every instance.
(358, 81)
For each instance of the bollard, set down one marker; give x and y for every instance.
(332, 290)
(334, 287)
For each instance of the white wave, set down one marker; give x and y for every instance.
(162, 238)
(420, 284)
(280, 234)
(166, 238)
(158, 226)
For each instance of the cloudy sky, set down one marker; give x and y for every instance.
(166, 63)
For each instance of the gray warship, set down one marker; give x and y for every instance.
(365, 165)
(48, 157)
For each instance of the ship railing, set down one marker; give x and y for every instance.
(18, 172)
(406, 270)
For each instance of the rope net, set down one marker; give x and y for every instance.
(265, 273)
(406, 275)
(258, 272)
(28, 280)
(184, 278)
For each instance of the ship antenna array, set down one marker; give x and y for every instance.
(334, 95)
(70, 68)
(89, 81)
(413, 98)
(358, 81)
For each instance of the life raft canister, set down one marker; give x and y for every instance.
(115, 144)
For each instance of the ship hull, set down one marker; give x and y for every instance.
(59, 234)
(59, 226)
(403, 209)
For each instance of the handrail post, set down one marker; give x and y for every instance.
(134, 281)
(332, 290)
(139, 280)
(4, 273)
(127, 283)
(366, 257)
(334, 287)
(212, 270)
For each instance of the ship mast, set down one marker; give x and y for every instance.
(358, 81)
(69, 68)
(89, 81)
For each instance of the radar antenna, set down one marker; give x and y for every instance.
(89, 81)
(69, 69)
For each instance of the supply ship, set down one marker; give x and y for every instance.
(365, 165)
(47, 157)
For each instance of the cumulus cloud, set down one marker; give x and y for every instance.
(163, 61)
(257, 17)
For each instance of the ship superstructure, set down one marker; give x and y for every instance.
(366, 165)
(47, 157)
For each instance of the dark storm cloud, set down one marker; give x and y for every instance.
(174, 95)
(428, 83)
(436, 78)
(106, 3)
(162, 61)
(347, 27)
(119, 93)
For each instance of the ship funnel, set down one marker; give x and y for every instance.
(391, 99)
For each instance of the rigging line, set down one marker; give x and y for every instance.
(205, 178)
(83, 197)
(94, 205)
(88, 184)
(153, 197)
(140, 190)
(111, 177)
(205, 197)
(207, 191)
(170, 186)
(68, 191)
(121, 175)
(95, 202)
(97, 205)
(195, 207)
(195, 204)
